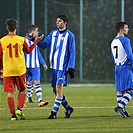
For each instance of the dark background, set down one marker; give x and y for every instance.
(99, 18)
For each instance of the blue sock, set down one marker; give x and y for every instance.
(38, 92)
(29, 90)
(57, 103)
(126, 98)
(65, 103)
(119, 98)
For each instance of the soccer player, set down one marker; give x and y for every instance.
(12, 56)
(33, 67)
(62, 61)
(123, 58)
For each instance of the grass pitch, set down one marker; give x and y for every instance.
(93, 113)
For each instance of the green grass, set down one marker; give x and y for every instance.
(93, 113)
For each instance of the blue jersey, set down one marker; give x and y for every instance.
(33, 59)
(121, 51)
(62, 49)
(122, 56)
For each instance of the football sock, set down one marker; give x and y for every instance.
(119, 98)
(38, 92)
(126, 98)
(29, 90)
(11, 105)
(21, 99)
(65, 103)
(32, 90)
(57, 103)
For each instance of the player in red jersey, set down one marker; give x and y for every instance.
(12, 49)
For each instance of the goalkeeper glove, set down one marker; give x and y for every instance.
(71, 72)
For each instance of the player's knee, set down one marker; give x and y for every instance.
(10, 94)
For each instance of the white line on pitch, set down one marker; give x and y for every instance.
(85, 107)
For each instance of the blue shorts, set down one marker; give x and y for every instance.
(32, 74)
(58, 77)
(123, 78)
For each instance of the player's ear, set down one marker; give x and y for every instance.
(65, 22)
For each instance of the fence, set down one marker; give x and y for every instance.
(92, 22)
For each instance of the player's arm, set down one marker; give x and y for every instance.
(41, 60)
(128, 50)
(28, 49)
(46, 42)
(112, 56)
(72, 51)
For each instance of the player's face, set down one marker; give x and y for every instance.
(125, 29)
(61, 25)
(35, 32)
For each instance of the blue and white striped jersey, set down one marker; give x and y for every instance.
(62, 49)
(121, 51)
(33, 59)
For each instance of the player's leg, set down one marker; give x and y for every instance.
(11, 105)
(125, 100)
(68, 108)
(119, 98)
(119, 90)
(57, 85)
(58, 79)
(10, 88)
(122, 104)
(29, 85)
(20, 83)
(30, 88)
(127, 85)
(123, 82)
(57, 101)
(38, 88)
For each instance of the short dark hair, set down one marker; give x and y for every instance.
(11, 24)
(32, 28)
(63, 17)
(120, 25)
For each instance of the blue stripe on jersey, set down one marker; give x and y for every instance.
(59, 47)
(33, 59)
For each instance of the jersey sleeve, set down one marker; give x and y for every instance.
(28, 49)
(46, 42)
(72, 50)
(41, 60)
(112, 55)
(128, 50)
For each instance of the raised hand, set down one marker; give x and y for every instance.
(40, 37)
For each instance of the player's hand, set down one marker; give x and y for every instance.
(1, 73)
(40, 37)
(71, 72)
(45, 67)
